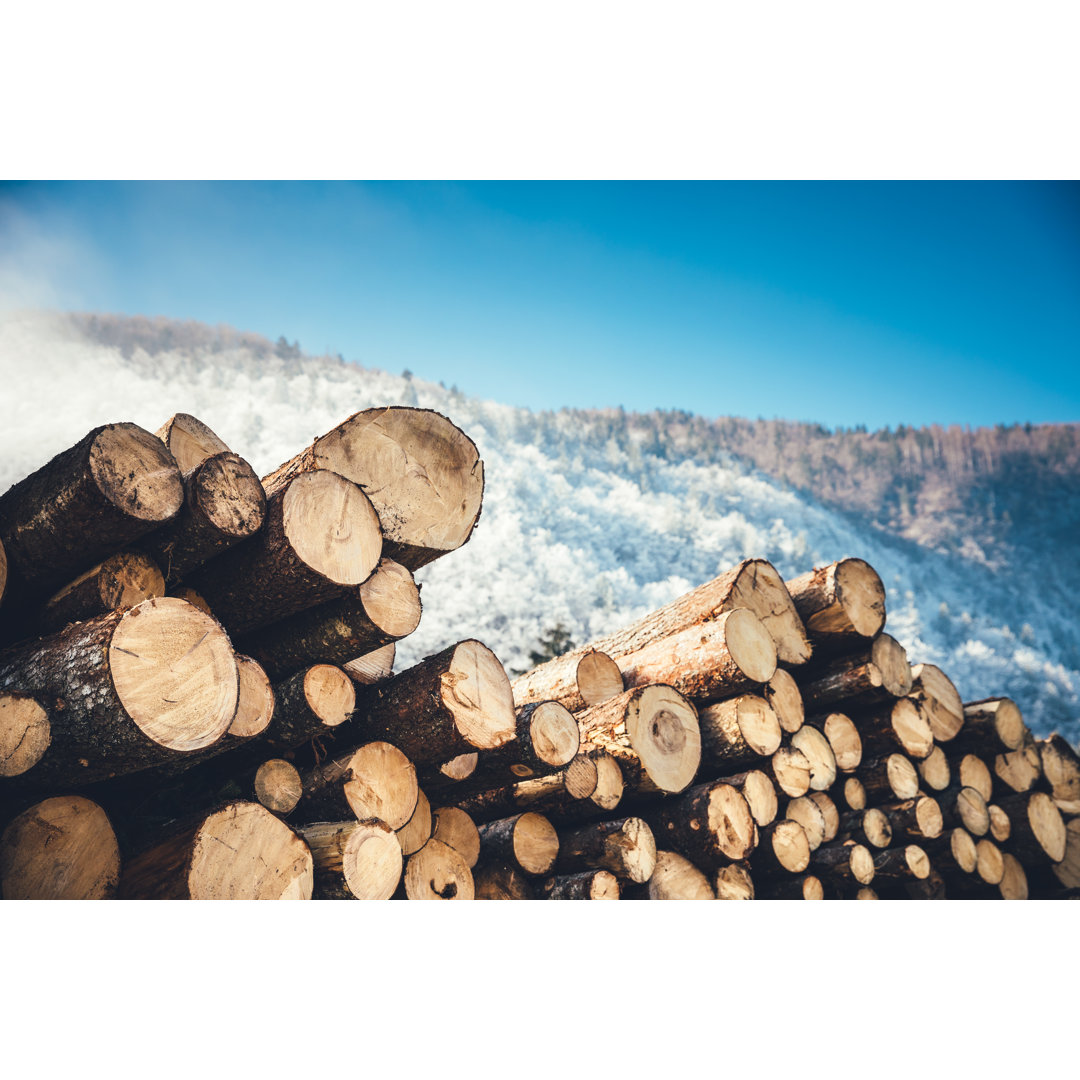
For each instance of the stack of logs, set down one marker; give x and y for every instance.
(197, 701)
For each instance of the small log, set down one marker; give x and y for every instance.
(1067, 869)
(598, 678)
(460, 767)
(576, 681)
(455, 702)
(423, 475)
(790, 769)
(138, 688)
(189, 441)
(527, 841)
(840, 604)
(223, 504)
(995, 722)
(1014, 882)
(734, 882)
(372, 668)
(312, 703)
(278, 786)
(782, 849)
(738, 732)
(878, 671)
(255, 704)
(974, 773)
(710, 824)
(109, 490)
(899, 725)
(843, 864)
(783, 694)
(496, 881)
(918, 819)
(1017, 771)
(871, 827)
(375, 781)
(1061, 767)
(625, 846)
(989, 864)
(321, 538)
(1038, 833)
(964, 806)
(674, 878)
(240, 852)
(1000, 825)
(935, 771)
(759, 792)
(438, 872)
(417, 831)
(888, 779)
(353, 860)
(652, 732)
(843, 737)
(940, 701)
(25, 731)
(453, 826)
(816, 749)
(854, 793)
(367, 618)
(829, 811)
(61, 849)
(588, 885)
(810, 816)
(122, 581)
(902, 864)
(954, 854)
(802, 887)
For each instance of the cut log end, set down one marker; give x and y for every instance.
(861, 595)
(1014, 882)
(890, 658)
(175, 673)
(609, 788)
(845, 741)
(819, 754)
(1047, 825)
(330, 694)
(730, 821)
(25, 733)
(663, 730)
(372, 861)
(1000, 715)
(457, 829)
(935, 770)
(760, 795)
(278, 786)
(536, 844)
(438, 872)
(902, 777)
(676, 878)
(734, 883)
(989, 863)
(460, 767)
(791, 770)
(940, 699)
(136, 473)
(598, 678)
(391, 599)
(381, 784)
(790, 846)
(476, 691)
(782, 693)
(61, 849)
(581, 777)
(255, 705)
(554, 733)
(189, 441)
(928, 817)
(751, 645)
(373, 667)
(416, 832)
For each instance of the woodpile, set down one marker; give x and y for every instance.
(197, 700)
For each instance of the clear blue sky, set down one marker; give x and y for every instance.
(845, 303)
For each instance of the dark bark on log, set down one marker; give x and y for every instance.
(588, 885)
(901, 864)
(1038, 833)
(964, 806)
(995, 724)
(839, 604)
(526, 841)
(576, 681)
(782, 849)
(711, 825)
(795, 887)
(888, 779)
(899, 725)
(1061, 767)
(845, 864)
(736, 734)
(310, 704)
(625, 846)
(917, 819)
(497, 881)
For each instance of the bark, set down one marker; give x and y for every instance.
(1038, 833)
(321, 538)
(876, 671)
(495, 881)
(674, 878)
(625, 846)
(844, 864)
(758, 791)
(710, 824)
(100, 496)
(738, 733)
(840, 604)
(916, 819)
(575, 680)
(382, 610)
(353, 860)
(901, 864)
(526, 841)
(1061, 767)
(995, 723)
(311, 703)
(588, 885)
(800, 887)
(423, 475)
(964, 806)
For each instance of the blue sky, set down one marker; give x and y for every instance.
(842, 303)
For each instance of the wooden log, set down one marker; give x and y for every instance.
(223, 505)
(1061, 767)
(900, 725)
(255, 701)
(839, 604)
(843, 737)
(460, 767)
(759, 792)
(917, 819)
(576, 681)
(738, 732)
(973, 773)
(810, 816)
(1014, 882)
(711, 660)
(801, 887)
(368, 617)
(278, 786)
(417, 831)
(353, 860)
(954, 854)
(994, 722)
(99, 497)
(588, 885)
(453, 826)
(829, 811)
(63, 848)
(653, 734)
(989, 864)
(674, 878)
(496, 881)
(373, 667)
(843, 864)
(818, 753)
(1017, 771)
(939, 699)
(189, 441)
(854, 793)
(932, 887)
(240, 852)
(877, 671)
(195, 599)
(935, 771)
(902, 864)
(783, 694)
(888, 779)
(625, 846)
(138, 688)
(122, 581)
(964, 806)
(871, 827)
(734, 882)
(711, 824)
(455, 702)
(526, 841)
(1000, 825)
(1038, 834)
(438, 872)
(310, 704)
(598, 678)
(1067, 869)
(321, 538)
(866, 893)
(375, 781)
(423, 475)
(782, 849)
(25, 731)
(790, 769)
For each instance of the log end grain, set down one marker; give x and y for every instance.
(476, 691)
(554, 733)
(330, 693)
(255, 704)
(438, 872)
(391, 599)
(136, 473)
(25, 733)
(457, 829)
(734, 883)
(373, 667)
(783, 694)
(189, 440)
(278, 786)
(598, 678)
(663, 730)
(380, 782)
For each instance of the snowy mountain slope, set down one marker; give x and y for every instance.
(580, 524)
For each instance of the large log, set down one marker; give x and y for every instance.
(875, 672)
(588, 885)
(311, 703)
(138, 688)
(438, 872)
(423, 475)
(375, 781)
(994, 723)
(940, 701)
(782, 849)
(527, 841)
(110, 489)
(674, 878)
(223, 505)
(122, 581)
(576, 682)
(240, 852)
(353, 860)
(371, 616)
(843, 737)
(189, 440)
(61, 849)
(898, 725)
(840, 604)
(321, 538)
(25, 731)
(738, 732)
(625, 846)
(652, 732)
(710, 824)
(888, 779)
(455, 702)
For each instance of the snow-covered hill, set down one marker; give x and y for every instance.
(581, 524)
